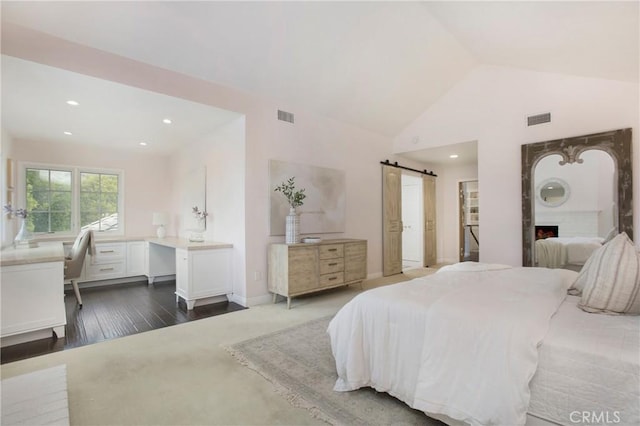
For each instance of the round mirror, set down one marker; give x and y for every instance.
(553, 192)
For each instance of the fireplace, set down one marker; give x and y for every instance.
(546, 231)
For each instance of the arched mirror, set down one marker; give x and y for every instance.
(575, 190)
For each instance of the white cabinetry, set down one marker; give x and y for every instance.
(160, 261)
(202, 273)
(471, 207)
(109, 261)
(135, 258)
(32, 290)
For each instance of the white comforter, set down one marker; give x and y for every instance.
(463, 344)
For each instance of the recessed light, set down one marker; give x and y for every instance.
(143, 144)
(549, 187)
(72, 102)
(68, 133)
(453, 156)
(166, 121)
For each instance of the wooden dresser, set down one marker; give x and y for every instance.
(296, 269)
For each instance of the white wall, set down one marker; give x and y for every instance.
(448, 207)
(8, 226)
(222, 153)
(491, 105)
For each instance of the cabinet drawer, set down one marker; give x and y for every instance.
(330, 266)
(108, 253)
(330, 251)
(328, 280)
(105, 270)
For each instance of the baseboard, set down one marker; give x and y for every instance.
(374, 275)
(252, 301)
(17, 339)
(115, 281)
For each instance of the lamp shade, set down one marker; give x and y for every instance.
(160, 218)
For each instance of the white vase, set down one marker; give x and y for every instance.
(292, 228)
(24, 236)
(197, 234)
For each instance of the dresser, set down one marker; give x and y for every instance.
(297, 269)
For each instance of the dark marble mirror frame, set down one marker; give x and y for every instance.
(616, 143)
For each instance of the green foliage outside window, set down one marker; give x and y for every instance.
(50, 200)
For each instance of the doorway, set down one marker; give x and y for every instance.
(412, 222)
(469, 215)
(393, 202)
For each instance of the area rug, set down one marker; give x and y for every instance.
(299, 363)
(37, 398)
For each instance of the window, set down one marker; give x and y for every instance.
(64, 200)
(98, 201)
(49, 200)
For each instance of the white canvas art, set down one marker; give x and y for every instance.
(323, 210)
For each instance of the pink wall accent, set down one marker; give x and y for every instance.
(147, 183)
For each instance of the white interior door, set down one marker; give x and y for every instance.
(412, 220)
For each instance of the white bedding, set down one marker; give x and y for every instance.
(462, 344)
(557, 252)
(588, 363)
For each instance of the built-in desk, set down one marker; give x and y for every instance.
(32, 285)
(202, 270)
(32, 290)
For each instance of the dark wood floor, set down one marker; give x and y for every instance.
(115, 311)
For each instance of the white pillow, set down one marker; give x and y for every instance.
(610, 279)
(611, 235)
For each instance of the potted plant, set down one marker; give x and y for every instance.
(294, 198)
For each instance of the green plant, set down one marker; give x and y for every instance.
(288, 189)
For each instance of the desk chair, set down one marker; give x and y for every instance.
(75, 260)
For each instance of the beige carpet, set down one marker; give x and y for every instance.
(299, 363)
(182, 375)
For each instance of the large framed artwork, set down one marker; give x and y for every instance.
(324, 207)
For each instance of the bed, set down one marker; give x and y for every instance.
(565, 252)
(490, 344)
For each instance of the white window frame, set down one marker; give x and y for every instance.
(75, 196)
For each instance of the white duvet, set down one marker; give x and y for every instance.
(459, 343)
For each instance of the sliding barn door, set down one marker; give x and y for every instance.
(429, 188)
(392, 221)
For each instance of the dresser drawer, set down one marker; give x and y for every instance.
(330, 251)
(330, 266)
(105, 270)
(328, 280)
(108, 253)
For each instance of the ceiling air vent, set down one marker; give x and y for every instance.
(285, 116)
(532, 120)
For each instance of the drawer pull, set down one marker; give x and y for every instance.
(333, 249)
(107, 251)
(106, 269)
(333, 264)
(333, 278)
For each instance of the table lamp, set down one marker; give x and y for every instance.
(161, 219)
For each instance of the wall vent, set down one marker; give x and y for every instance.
(285, 116)
(533, 120)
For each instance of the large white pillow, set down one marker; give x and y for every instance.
(610, 279)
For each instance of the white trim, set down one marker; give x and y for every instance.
(75, 195)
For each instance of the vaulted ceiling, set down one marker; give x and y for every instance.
(377, 65)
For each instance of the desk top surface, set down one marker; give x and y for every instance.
(184, 243)
(53, 251)
(45, 252)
